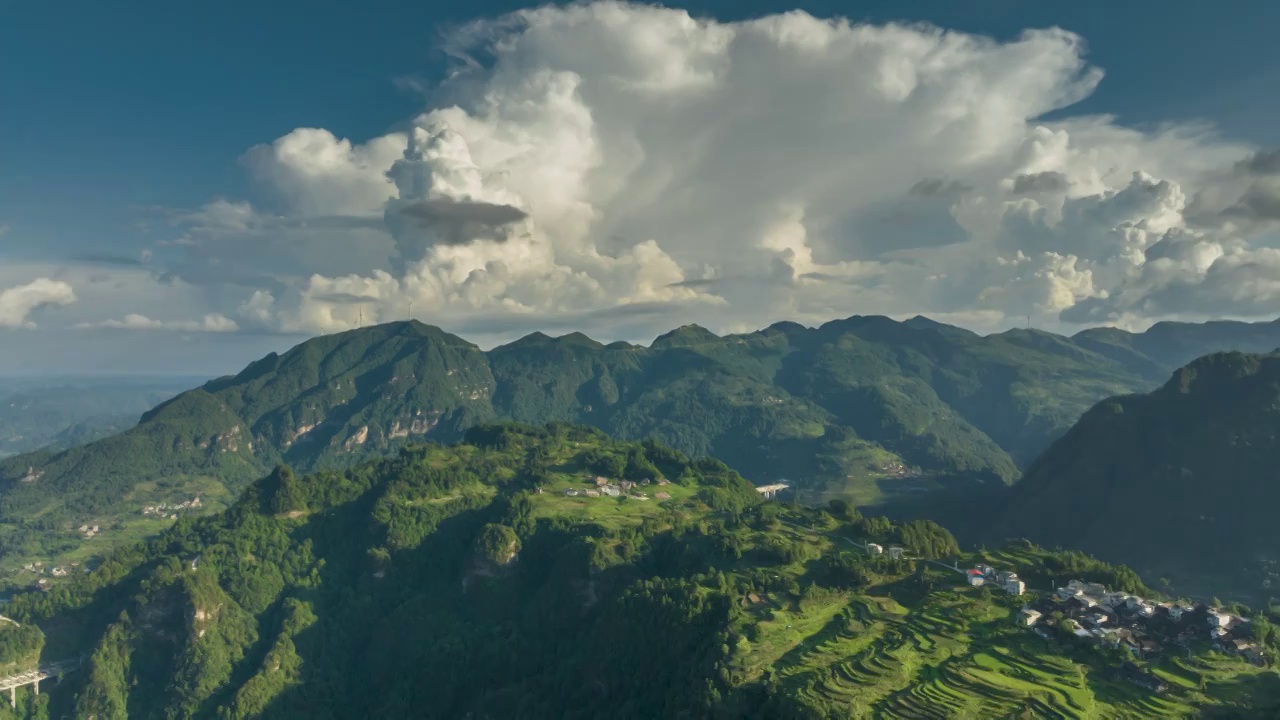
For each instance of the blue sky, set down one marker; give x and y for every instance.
(113, 122)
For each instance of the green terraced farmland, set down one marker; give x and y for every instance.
(957, 653)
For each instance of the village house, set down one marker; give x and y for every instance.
(1013, 585)
(1083, 602)
(1114, 600)
(895, 552)
(663, 495)
(1028, 617)
(1217, 618)
(975, 577)
(1240, 646)
(1097, 618)
(592, 493)
(611, 490)
(874, 549)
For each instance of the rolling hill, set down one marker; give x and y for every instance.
(865, 408)
(492, 579)
(1178, 483)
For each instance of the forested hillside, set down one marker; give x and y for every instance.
(499, 578)
(864, 408)
(1179, 483)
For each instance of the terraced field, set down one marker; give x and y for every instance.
(957, 653)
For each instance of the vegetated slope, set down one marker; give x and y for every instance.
(1178, 483)
(865, 407)
(63, 413)
(442, 583)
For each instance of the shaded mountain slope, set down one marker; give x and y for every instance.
(1177, 483)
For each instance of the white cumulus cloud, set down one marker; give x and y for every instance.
(213, 323)
(18, 303)
(630, 167)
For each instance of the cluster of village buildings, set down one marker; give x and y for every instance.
(171, 511)
(56, 571)
(1122, 620)
(895, 552)
(89, 530)
(1004, 579)
(604, 487)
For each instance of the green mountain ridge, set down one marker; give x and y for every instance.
(484, 580)
(1176, 483)
(865, 408)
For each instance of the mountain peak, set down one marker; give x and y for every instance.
(920, 322)
(685, 335)
(787, 327)
(541, 339)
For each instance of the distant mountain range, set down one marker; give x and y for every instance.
(69, 411)
(1178, 483)
(867, 408)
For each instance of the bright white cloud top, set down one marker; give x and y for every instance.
(18, 303)
(622, 168)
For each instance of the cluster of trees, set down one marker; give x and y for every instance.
(19, 644)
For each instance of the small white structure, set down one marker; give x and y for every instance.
(975, 577)
(1217, 618)
(771, 491)
(571, 492)
(895, 552)
(1029, 617)
(1015, 586)
(874, 549)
